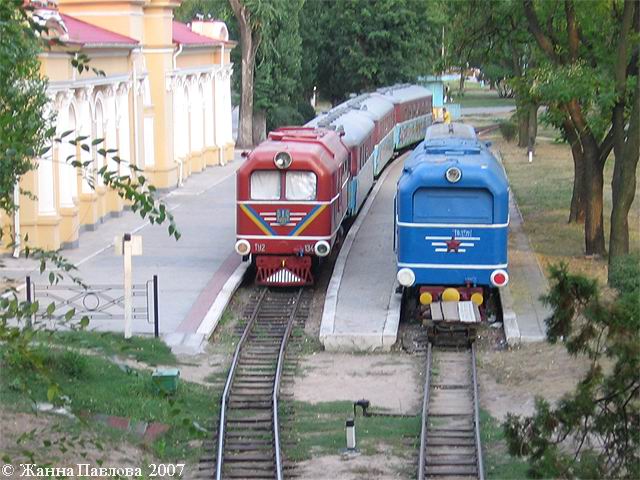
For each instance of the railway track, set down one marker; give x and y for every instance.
(248, 440)
(450, 435)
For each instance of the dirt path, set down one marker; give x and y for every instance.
(510, 380)
(389, 381)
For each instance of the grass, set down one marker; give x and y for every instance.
(498, 464)
(95, 385)
(151, 351)
(319, 429)
(476, 96)
(543, 192)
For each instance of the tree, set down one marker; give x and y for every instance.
(577, 80)
(361, 45)
(626, 141)
(25, 128)
(493, 37)
(253, 17)
(24, 123)
(594, 432)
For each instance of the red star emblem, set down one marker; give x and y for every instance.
(453, 245)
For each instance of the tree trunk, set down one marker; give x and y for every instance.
(249, 47)
(522, 113)
(259, 126)
(577, 212)
(533, 124)
(461, 85)
(623, 183)
(594, 185)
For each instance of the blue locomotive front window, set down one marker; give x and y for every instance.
(453, 205)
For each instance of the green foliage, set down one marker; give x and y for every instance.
(69, 364)
(594, 432)
(508, 129)
(24, 120)
(357, 45)
(283, 116)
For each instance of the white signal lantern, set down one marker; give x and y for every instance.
(453, 175)
(243, 247)
(282, 160)
(499, 278)
(406, 277)
(322, 248)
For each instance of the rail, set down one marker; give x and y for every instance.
(276, 389)
(476, 415)
(227, 386)
(425, 414)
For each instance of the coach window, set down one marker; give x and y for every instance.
(300, 185)
(265, 185)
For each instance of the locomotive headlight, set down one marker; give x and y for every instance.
(406, 277)
(453, 174)
(322, 248)
(282, 160)
(243, 247)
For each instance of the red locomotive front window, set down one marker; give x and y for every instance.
(300, 185)
(265, 185)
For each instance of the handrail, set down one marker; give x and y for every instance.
(227, 386)
(476, 410)
(425, 413)
(276, 389)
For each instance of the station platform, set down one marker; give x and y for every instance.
(362, 310)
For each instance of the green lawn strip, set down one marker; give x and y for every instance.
(471, 100)
(97, 386)
(149, 350)
(320, 430)
(498, 464)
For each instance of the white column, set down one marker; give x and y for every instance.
(124, 135)
(46, 194)
(99, 160)
(209, 133)
(195, 114)
(218, 108)
(85, 128)
(67, 154)
(111, 118)
(227, 106)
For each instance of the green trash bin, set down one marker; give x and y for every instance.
(166, 379)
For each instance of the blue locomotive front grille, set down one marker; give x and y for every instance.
(451, 254)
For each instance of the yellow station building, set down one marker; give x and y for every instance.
(164, 102)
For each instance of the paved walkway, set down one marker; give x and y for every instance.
(524, 313)
(362, 311)
(191, 271)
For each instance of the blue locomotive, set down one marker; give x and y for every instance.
(452, 217)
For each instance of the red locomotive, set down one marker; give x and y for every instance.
(292, 198)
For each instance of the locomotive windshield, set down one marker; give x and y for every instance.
(265, 185)
(453, 205)
(300, 185)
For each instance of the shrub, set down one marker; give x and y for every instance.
(282, 117)
(508, 129)
(70, 364)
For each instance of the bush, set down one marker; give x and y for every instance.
(307, 111)
(282, 117)
(70, 364)
(508, 129)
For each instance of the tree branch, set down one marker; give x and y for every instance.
(543, 40)
(572, 29)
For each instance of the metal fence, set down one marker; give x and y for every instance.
(96, 302)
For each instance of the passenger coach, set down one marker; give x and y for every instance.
(291, 200)
(452, 216)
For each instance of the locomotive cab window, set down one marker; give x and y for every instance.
(265, 185)
(300, 185)
(453, 205)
